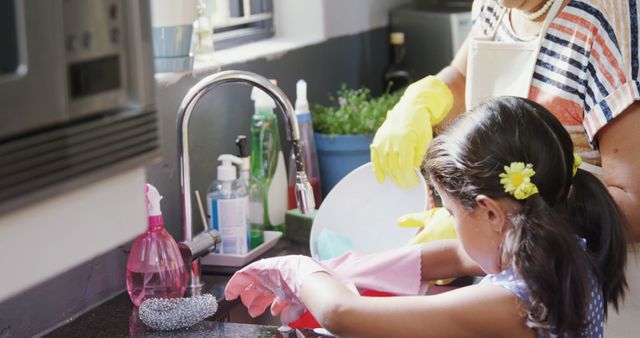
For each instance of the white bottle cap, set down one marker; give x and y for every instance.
(302, 105)
(153, 200)
(226, 171)
(261, 99)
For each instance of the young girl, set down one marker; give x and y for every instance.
(547, 235)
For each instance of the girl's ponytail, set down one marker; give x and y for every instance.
(597, 218)
(558, 286)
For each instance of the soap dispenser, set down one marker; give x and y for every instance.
(155, 268)
(268, 182)
(228, 208)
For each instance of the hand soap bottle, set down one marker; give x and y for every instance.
(227, 205)
(268, 182)
(155, 268)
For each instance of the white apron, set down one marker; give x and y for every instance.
(502, 68)
(506, 68)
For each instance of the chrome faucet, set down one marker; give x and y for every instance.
(303, 191)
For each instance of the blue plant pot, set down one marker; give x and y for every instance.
(338, 155)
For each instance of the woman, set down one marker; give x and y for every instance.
(577, 58)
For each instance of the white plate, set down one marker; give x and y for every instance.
(270, 239)
(365, 211)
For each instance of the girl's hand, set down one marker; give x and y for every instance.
(274, 281)
(437, 224)
(277, 281)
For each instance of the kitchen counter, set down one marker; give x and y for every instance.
(118, 317)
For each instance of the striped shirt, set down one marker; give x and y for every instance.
(587, 69)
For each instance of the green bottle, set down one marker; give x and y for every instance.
(268, 181)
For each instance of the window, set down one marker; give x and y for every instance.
(237, 22)
(9, 58)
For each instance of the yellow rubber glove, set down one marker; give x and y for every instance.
(437, 223)
(401, 142)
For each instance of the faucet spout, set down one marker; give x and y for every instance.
(303, 191)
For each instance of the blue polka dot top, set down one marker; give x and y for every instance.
(594, 324)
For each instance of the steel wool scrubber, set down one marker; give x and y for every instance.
(176, 313)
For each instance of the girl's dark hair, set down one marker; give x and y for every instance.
(541, 246)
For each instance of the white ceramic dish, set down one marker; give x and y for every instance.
(364, 211)
(270, 239)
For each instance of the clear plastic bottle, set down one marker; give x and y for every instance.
(202, 41)
(227, 201)
(155, 268)
(256, 232)
(308, 145)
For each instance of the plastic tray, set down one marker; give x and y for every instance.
(270, 239)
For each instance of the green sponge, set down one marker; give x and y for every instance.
(298, 225)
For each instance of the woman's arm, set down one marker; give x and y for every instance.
(619, 144)
(454, 75)
(446, 259)
(474, 311)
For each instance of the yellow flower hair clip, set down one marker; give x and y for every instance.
(577, 161)
(516, 180)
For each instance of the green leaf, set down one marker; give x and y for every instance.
(354, 111)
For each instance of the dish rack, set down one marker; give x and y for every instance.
(270, 240)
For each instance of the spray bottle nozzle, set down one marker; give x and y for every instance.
(153, 200)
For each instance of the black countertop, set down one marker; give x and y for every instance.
(118, 317)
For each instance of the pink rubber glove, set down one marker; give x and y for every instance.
(275, 281)
(396, 271)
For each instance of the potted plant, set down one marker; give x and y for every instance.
(344, 130)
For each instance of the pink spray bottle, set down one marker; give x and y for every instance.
(155, 268)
